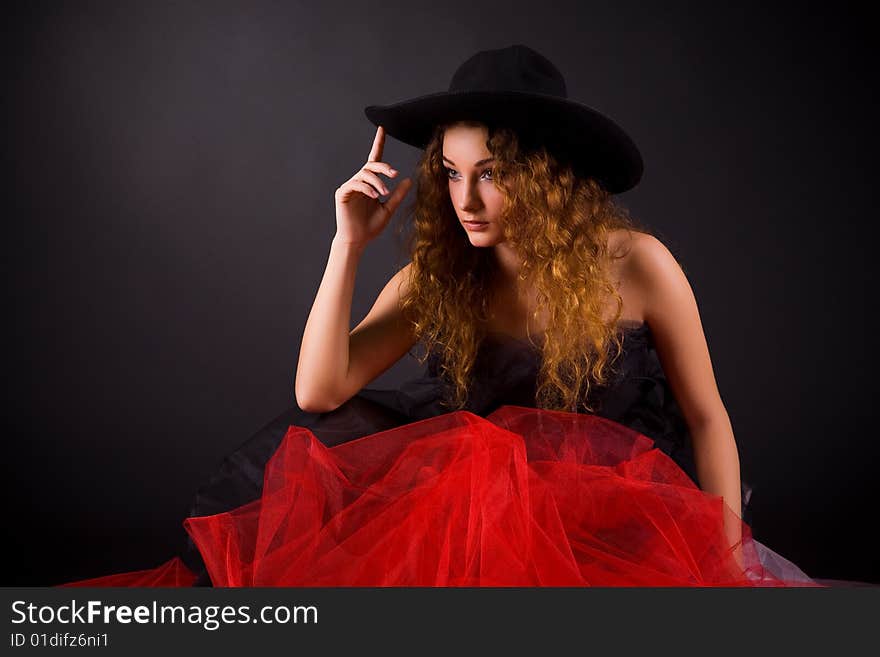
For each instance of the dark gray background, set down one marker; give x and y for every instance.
(172, 176)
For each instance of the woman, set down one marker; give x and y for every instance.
(563, 345)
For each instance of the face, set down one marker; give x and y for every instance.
(473, 194)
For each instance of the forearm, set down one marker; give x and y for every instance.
(718, 471)
(717, 460)
(323, 356)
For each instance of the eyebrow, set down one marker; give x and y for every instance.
(476, 164)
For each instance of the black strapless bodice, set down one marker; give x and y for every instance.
(638, 396)
(505, 372)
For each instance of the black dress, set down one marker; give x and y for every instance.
(638, 397)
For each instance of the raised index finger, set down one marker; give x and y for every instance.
(378, 145)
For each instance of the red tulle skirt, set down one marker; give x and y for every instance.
(523, 497)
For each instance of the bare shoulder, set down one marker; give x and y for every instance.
(671, 311)
(630, 246)
(653, 269)
(625, 248)
(386, 309)
(620, 241)
(402, 278)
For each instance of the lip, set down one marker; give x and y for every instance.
(475, 225)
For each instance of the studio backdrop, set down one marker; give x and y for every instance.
(172, 175)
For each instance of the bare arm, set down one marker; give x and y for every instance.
(672, 314)
(333, 366)
(374, 345)
(323, 355)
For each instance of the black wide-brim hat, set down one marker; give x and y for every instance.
(520, 88)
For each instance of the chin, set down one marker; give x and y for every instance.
(482, 239)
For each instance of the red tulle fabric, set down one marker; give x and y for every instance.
(523, 497)
(172, 573)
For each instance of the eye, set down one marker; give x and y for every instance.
(450, 172)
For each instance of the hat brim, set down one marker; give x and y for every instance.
(597, 146)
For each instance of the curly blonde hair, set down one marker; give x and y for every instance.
(558, 223)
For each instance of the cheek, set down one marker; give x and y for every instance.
(496, 201)
(452, 195)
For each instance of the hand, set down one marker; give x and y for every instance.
(360, 215)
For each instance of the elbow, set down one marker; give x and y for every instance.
(708, 416)
(314, 407)
(317, 399)
(715, 422)
(314, 404)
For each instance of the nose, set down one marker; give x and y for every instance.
(469, 200)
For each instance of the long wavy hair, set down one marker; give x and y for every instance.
(558, 223)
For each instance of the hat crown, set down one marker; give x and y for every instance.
(519, 88)
(514, 68)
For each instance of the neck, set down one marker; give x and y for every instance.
(508, 264)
